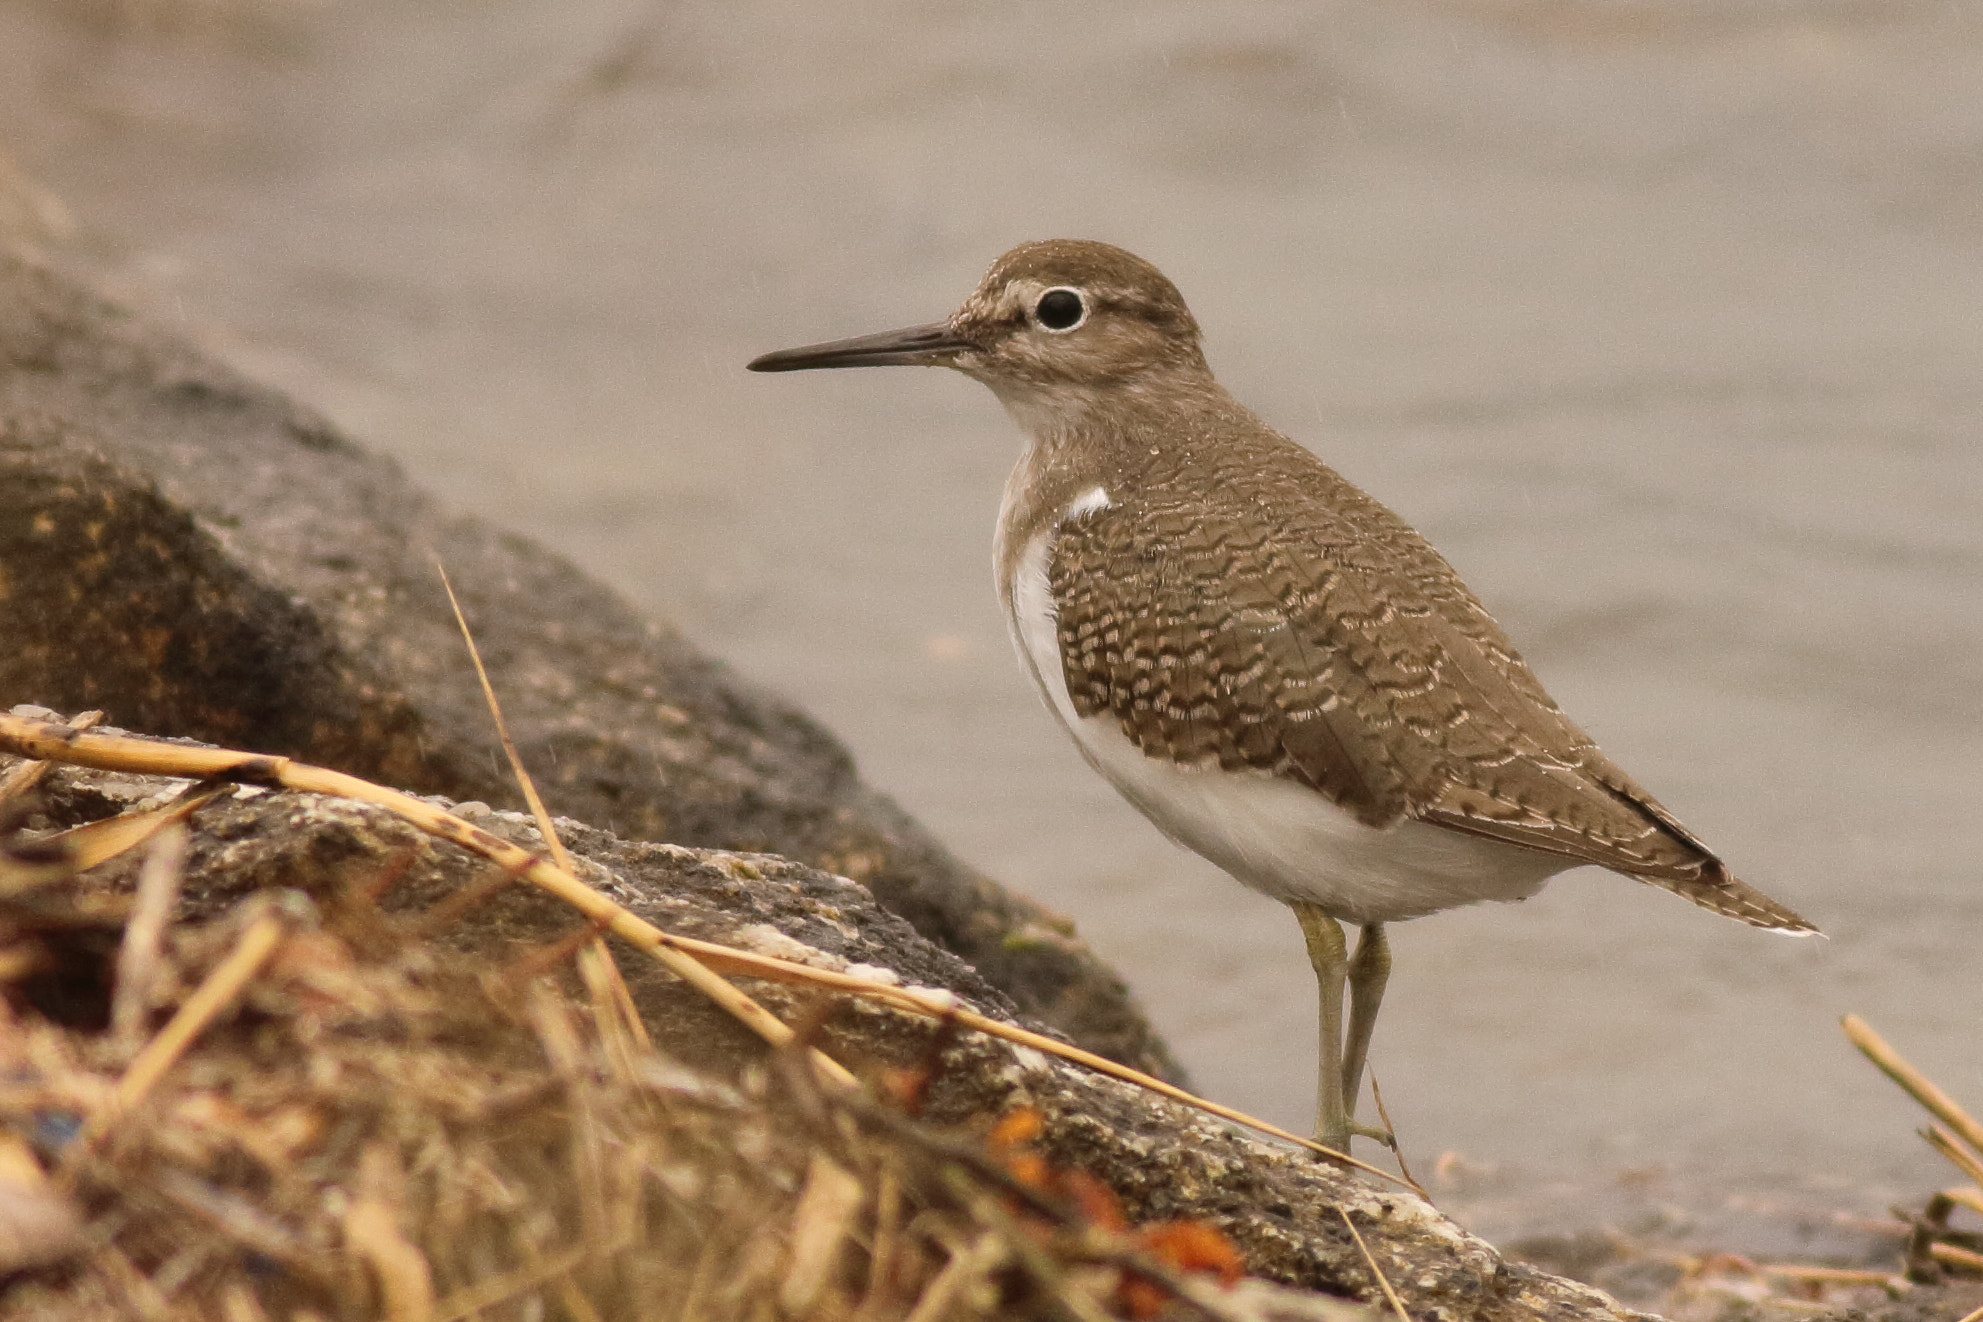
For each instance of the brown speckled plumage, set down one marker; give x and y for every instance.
(1240, 604)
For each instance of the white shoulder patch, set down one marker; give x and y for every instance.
(1088, 502)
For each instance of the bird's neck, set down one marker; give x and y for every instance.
(1082, 437)
(1052, 412)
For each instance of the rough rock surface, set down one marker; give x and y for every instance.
(1284, 1210)
(200, 556)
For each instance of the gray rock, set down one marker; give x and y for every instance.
(201, 556)
(1282, 1208)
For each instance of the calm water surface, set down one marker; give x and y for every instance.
(1662, 320)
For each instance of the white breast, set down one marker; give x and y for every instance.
(1274, 835)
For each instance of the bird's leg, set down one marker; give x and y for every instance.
(1368, 972)
(1330, 958)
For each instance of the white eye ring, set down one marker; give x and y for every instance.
(1048, 319)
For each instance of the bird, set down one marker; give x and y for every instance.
(1272, 666)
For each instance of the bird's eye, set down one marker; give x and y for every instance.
(1061, 309)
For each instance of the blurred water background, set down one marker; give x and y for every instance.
(1662, 319)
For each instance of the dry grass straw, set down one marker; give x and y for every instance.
(602, 975)
(1934, 1246)
(1918, 1086)
(25, 866)
(1718, 1286)
(337, 1122)
(216, 993)
(1934, 1249)
(1383, 1281)
(18, 784)
(700, 963)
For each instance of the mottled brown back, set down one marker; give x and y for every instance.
(1241, 605)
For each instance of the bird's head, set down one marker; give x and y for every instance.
(1049, 317)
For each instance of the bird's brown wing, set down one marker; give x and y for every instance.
(1198, 638)
(1332, 646)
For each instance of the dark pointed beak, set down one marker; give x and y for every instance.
(935, 345)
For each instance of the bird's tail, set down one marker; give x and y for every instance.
(1725, 895)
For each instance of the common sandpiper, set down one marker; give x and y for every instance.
(1272, 666)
